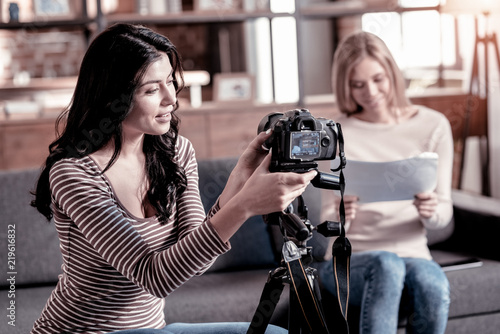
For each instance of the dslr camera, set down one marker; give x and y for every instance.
(298, 140)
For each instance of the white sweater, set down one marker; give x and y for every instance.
(396, 226)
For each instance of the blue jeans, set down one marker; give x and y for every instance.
(204, 328)
(379, 280)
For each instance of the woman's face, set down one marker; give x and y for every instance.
(370, 86)
(154, 101)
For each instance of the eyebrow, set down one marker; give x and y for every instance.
(156, 80)
(149, 82)
(371, 77)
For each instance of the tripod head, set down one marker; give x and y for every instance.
(297, 227)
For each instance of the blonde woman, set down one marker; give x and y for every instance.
(390, 258)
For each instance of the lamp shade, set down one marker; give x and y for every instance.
(472, 7)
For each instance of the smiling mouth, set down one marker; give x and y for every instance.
(163, 115)
(374, 101)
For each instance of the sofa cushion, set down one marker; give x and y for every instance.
(37, 255)
(474, 290)
(251, 245)
(231, 296)
(29, 305)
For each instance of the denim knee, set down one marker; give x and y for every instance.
(427, 280)
(389, 266)
(384, 267)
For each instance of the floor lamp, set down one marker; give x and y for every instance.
(477, 8)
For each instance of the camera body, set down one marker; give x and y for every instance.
(298, 140)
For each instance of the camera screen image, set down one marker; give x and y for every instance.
(305, 145)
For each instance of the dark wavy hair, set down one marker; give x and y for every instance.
(111, 71)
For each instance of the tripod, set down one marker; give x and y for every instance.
(305, 309)
(476, 93)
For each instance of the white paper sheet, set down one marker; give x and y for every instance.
(391, 181)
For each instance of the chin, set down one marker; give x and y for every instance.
(159, 132)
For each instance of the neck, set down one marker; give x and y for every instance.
(132, 146)
(131, 149)
(379, 116)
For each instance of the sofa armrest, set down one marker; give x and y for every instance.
(36, 253)
(476, 226)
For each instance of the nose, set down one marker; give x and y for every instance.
(371, 89)
(169, 96)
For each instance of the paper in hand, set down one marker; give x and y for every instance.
(391, 181)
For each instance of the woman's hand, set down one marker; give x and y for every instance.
(350, 206)
(266, 192)
(251, 158)
(426, 204)
(261, 193)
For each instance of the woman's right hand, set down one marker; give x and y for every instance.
(350, 206)
(266, 192)
(262, 193)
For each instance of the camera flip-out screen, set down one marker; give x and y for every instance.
(305, 145)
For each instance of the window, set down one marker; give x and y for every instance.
(428, 46)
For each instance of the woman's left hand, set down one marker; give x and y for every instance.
(253, 156)
(426, 204)
(249, 160)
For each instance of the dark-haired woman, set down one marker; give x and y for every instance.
(122, 187)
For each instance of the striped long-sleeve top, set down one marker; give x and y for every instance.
(117, 268)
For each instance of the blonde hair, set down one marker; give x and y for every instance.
(349, 53)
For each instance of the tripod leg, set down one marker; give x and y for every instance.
(486, 181)
(267, 304)
(295, 316)
(474, 79)
(497, 52)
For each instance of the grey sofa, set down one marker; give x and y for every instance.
(230, 290)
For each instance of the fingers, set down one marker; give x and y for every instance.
(350, 206)
(257, 142)
(273, 192)
(426, 204)
(350, 199)
(265, 163)
(296, 178)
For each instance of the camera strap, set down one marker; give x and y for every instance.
(303, 290)
(302, 293)
(341, 249)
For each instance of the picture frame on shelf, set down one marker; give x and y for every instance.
(53, 9)
(234, 87)
(217, 5)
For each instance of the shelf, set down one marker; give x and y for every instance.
(73, 23)
(192, 17)
(42, 84)
(350, 8)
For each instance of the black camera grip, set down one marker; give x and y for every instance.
(326, 181)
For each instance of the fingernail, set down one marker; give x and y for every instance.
(268, 131)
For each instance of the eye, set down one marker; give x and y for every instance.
(151, 91)
(170, 81)
(379, 78)
(357, 84)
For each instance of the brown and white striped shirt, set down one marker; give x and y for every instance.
(117, 268)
